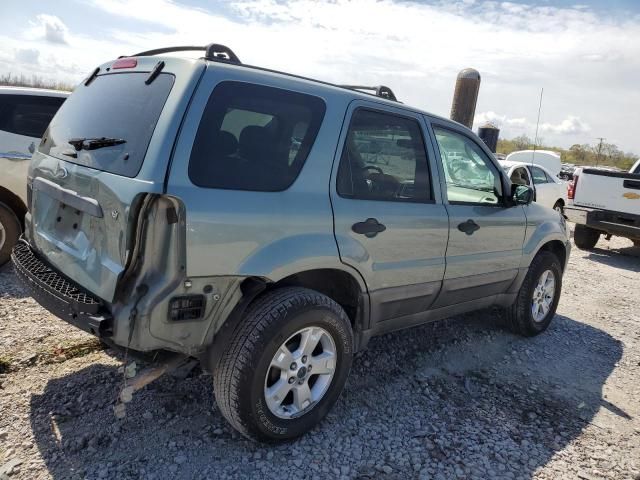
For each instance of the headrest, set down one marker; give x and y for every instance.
(226, 143)
(254, 141)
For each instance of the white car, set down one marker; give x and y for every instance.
(25, 114)
(547, 159)
(550, 191)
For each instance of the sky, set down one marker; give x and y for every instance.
(585, 54)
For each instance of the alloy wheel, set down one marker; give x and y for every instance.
(300, 372)
(543, 295)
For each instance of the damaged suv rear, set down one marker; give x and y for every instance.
(227, 213)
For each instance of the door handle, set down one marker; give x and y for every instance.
(468, 227)
(369, 228)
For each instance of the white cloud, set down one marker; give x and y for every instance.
(51, 28)
(587, 62)
(571, 125)
(27, 55)
(517, 123)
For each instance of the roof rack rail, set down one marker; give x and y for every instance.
(213, 51)
(379, 91)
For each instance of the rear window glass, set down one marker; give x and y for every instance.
(253, 137)
(27, 115)
(115, 107)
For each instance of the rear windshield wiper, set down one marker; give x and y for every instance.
(94, 143)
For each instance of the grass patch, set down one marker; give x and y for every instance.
(45, 355)
(67, 351)
(5, 364)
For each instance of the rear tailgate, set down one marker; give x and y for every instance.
(605, 190)
(85, 191)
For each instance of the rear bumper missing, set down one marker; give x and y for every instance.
(58, 294)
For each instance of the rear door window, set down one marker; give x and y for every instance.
(549, 178)
(253, 137)
(115, 107)
(539, 176)
(27, 115)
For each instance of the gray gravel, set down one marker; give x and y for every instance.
(456, 399)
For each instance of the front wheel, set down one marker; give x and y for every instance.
(538, 296)
(285, 366)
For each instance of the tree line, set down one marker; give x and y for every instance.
(600, 154)
(34, 81)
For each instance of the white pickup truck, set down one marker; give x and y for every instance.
(604, 202)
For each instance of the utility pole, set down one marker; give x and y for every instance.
(602, 139)
(535, 140)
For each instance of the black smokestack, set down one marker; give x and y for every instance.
(489, 134)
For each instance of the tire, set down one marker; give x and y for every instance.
(559, 207)
(9, 233)
(585, 238)
(520, 316)
(245, 370)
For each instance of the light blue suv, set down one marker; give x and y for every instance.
(269, 225)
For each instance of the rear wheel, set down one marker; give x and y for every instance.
(538, 297)
(285, 365)
(9, 233)
(585, 238)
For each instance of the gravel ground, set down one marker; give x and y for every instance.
(456, 399)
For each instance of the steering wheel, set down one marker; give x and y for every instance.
(372, 167)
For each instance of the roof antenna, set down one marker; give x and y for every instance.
(535, 140)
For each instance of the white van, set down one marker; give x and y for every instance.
(25, 114)
(546, 158)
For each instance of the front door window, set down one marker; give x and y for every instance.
(384, 159)
(470, 176)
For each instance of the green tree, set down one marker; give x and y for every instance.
(522, 142)
(11, 80)
(579, 153)
(610, 155)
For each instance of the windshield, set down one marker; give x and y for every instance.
(108, 124)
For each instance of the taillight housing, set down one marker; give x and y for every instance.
(571, 187)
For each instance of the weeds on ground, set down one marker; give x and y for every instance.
(67, 351)
(5, 363)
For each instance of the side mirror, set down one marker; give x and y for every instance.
(521, 194)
